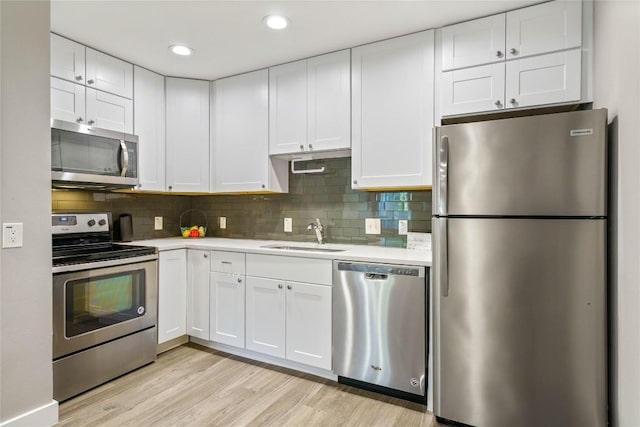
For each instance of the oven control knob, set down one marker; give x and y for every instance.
(102, 222)
(91, 222)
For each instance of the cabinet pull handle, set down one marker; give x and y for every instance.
(79, 78)
(513, 101)
(225, 262)
(513, 51)
(289, 287)
(310, 146)
(239, 280)
(301, 147)
(90, 81)
(79, 120)
(90, 122)
(499, 54)
(498, 104)
(279, 286)
(355, 181)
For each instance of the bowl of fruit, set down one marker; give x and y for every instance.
(193, 231)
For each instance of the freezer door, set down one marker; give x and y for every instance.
(520, 322)
(548, 165)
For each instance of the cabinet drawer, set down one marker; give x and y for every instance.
(309, 270)
(227, 262)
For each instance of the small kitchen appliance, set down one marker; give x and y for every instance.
(105, 299)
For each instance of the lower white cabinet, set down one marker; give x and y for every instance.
(198, 262)
(227, 301)
(172, 294)
(290, 320)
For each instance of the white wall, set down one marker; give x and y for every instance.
(616, 87)
(25, 273)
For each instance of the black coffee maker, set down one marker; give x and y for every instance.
(123, 228)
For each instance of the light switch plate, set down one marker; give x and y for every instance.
(288, 225)
(223, 222)
(157, 225)
(372, 225)
(403, 227)
(12, 235)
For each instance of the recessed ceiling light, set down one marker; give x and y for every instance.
(276, 22)
(180, 50)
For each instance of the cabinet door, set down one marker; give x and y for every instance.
(67, 59)
(227, 308)
(265, 316)
(198, 263)
(392, 110)
(172, 295)
(149, 125)
(109, 74)
(472, 90)
(545, 79)
(187, 135)
(476, 42)
(543, 28)
(108, 111)
(241, 140)
(67, 101)
(308, 332)
(288, 108)
(329, 101)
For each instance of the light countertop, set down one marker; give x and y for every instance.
(348, 252)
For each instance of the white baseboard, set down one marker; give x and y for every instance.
(44, 416)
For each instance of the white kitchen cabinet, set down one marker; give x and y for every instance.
(240, 136)
(67, 101)
(172, 294)
(187, 135)
(543, 28)
(149, 125)
(309, 105)
(227, 301)
(109, 74)
(544, 79)
(477, 42)
(67, 59)
(265, 316)
(308, 324)
(392, 112)
(198, 265)
(108, 111)
(472, 89)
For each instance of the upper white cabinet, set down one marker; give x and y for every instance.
(392, 112)
(198, 264)
(187, 135)
(240, 136)
(67, 59)
(172, 294)
(149, 125)
(109, 74)
(528, 57)
(108, 111)
(68, 101)
(309, 105)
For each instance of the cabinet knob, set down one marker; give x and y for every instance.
(170, 187)
(91, 122)
(355, 181)
(499, 54)
(513, 101)
(513, 51)
(239, 280)
(310, 146)
(289, 287)
(498, 104)
(263, 186)
(79, 120)
(301, 147)
(79, 78)
(139, 185)
(90, 81)
(206, 256)
(279, 286)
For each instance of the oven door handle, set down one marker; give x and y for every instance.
(102, 264)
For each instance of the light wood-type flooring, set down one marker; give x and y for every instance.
(195, 386)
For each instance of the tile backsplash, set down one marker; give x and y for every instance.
(327, 196)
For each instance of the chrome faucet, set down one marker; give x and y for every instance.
(319, 228)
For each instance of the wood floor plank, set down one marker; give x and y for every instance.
(193, 385)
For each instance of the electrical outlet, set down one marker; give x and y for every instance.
(12, 235)
(223, 222)
(288, 225)
(403, 227)
(372, 225)
(157, 225)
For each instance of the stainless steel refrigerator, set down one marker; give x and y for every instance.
(520, 271)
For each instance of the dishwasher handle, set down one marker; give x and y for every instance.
(374, 276)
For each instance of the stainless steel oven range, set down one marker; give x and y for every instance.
(104, 304)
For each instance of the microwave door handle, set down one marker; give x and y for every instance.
(125, 158)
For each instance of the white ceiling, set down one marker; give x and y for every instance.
(228, 37)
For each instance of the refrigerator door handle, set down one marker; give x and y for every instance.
(443, 248)
(443, 165)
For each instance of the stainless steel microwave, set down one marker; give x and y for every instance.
(88, 157)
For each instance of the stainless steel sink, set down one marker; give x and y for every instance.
(301, 248)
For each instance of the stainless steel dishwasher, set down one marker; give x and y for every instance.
(379, 327)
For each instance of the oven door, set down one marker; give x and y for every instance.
(93, 306)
